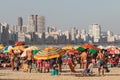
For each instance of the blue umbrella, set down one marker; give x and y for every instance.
(7, 49)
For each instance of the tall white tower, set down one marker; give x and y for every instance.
(95, 31)
(31, 24)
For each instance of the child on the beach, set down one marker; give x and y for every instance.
(40, 65)
(46, 65)
(89, 69)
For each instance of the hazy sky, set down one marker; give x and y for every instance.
(65, 13)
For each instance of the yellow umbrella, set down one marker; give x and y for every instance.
(68, 47)
(48, 48)
(1, 47)
(18, 48)
(45, 55)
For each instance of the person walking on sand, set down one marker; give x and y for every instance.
(84, 59)
(100, 62)
(12, 56)
(29, 60)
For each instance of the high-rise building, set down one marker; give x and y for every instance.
(4, 35)
(31, 24)
(36, 23)
(95, 31)
(24, 29)
(40, 24)
(20, 23)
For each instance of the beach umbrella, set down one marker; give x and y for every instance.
(45, 55)
(18, 48)
(81, 49)
(90, 46)
(1, 47)
(68, 47)
(72, 51)
(33, 48)
(93, 51)
(19, 43)
(48, 48)
(76, 46)
(34, 52)
(113, 50)
(7, 49)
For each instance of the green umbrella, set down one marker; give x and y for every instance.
(80, 49)
(34, 52)
(93, 51)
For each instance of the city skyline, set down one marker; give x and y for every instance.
(64, 14)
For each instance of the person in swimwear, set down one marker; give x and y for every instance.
(29, 60)
(100, 61)
(84, 59)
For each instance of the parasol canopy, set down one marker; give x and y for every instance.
(68, 47)
(19, 43)
(1, 47)
(7, 49)
(18, 48)
(93, 51)
(72, 51)
(81, 49)
(89, 46)
(113, 50)
(44, 55)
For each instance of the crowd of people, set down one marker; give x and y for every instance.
(102, 60)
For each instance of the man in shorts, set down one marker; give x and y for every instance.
(29, 60)
(100, 62)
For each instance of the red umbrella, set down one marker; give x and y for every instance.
(72, 51)
(113, 50)
(89, 46)
(19, 43)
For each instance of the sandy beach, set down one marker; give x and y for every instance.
(114, 74)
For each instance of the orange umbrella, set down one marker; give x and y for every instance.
(89, 46)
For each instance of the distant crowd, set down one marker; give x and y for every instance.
(102, 60)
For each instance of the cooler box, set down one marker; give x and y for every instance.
(54, 72)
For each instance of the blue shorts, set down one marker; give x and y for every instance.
(87, 70)
(100, 63)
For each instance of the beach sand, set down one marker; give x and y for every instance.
(114, 74)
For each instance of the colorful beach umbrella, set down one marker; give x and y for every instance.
(93, 51)
(72, 51)
(68, 47)
(90, 46)
(33, 48)
(19, 43)
(81, 49)
(34, 52)
(1, 47)
(7, 49)
(45, 55)
(18, 48)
